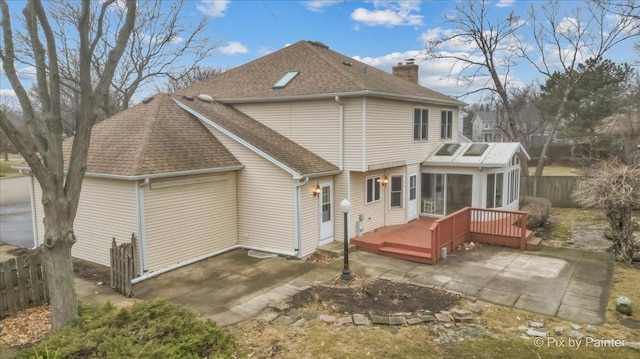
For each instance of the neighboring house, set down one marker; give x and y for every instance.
(260, 157)
(486, 127)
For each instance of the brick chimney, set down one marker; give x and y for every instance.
(408, 71)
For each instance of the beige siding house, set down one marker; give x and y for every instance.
(260, 156)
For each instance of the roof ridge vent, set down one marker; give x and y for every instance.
(205, 98)
(318, 43)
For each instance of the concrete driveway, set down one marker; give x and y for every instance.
(230, 288)
(15, 212)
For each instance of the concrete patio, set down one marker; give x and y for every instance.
(569, 284)
(230, 288)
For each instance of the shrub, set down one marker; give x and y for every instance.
(539, 210)
(155, 329)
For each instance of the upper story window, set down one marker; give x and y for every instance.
(420, 124)
(373, 189)
(486, 125)
(446, 124)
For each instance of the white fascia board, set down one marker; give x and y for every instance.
(155, 175)
(373, 93)
(238, 139)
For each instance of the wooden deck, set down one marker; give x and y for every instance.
(411, 241)
(421, 240)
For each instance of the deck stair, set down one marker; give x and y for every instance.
(406, 252)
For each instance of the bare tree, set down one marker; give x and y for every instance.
(560, 41)
(161, 39)
(615, 189)
(184, 79)
(61, 184)
(491, 57)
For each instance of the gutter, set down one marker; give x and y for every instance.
(142, 236)
(341, 159)
(323, 174)
(297, 216)
(197, 259)
(372, 93)
(154, 175)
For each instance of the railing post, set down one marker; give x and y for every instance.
(523, 232)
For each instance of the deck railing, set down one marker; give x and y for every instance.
(484, 225)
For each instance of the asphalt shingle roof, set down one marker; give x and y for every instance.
(152, 138)
(322, 72)
(279, 147)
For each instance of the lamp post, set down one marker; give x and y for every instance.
(345, 205)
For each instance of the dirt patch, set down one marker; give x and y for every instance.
(380, 297)
(91, 271)
(318, 258)
(26, 327)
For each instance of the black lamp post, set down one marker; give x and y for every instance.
(345, 205)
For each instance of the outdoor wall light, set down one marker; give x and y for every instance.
(317, 190)
(384, 180)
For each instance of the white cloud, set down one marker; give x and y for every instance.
(505, 3)
(441, 75)
(320, 5)
(389, 14)
(213, 8)
(232, 48)
(568, 25)
(7, 93)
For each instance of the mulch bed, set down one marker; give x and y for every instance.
(380, 297)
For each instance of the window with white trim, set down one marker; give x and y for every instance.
(373, 189)
(446, 124)
(396, 191)
(420, 124)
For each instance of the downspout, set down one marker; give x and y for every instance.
(34, 220)
(142, 243)
(297, 219)
(341, 159)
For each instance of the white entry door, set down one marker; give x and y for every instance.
(412, 205)
(326, 213)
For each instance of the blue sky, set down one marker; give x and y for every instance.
(380, 33)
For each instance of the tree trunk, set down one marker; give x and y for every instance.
(622, 228)
(6, 156)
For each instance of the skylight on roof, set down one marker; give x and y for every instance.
(448, 149)
(476, 149)
(284, 81)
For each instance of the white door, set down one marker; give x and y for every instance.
(326, 213)
(412, 205)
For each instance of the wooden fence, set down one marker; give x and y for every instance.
(23, 284)
(558, 189)
(123, 265)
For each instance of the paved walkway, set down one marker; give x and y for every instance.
(230, 288)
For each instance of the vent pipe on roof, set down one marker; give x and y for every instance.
(147, 100)
(205, 97)
(188, 98)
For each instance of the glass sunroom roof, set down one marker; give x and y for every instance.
(284, 80)
(490, 154)
(476, 149)
(448, 149)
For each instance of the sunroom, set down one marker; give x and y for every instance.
(482, 175)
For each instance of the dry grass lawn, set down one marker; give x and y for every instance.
(557, 170)
(6, 171)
